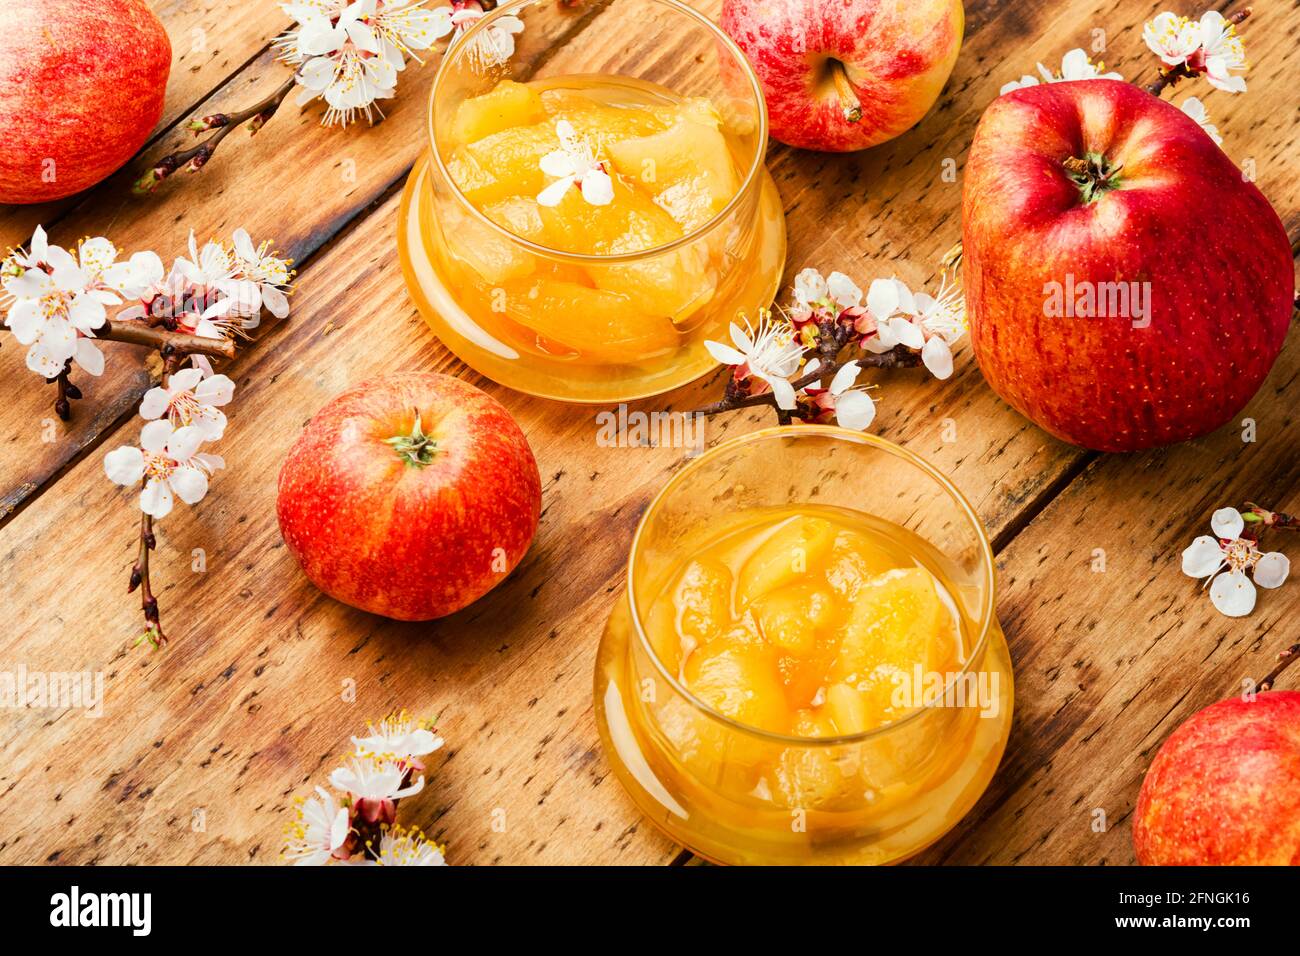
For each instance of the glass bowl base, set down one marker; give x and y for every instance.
(722, 831)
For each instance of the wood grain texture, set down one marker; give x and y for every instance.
(211, 42)
(202, 747)
(295, 181)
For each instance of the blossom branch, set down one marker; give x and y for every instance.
(897, 357)
(803, 361)
(194, 159)
(1284, 660)
(1193, 59)
(153, 632)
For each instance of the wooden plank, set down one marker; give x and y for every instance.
(295, 181)
(210, 43)
(1109, 663)
(245, 703)
(261, 731)
(245, 709)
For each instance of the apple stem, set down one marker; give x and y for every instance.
(852, 106)
(418, 448)
(192, 160)
(1170, 76)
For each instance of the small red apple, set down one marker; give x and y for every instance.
(81, 87)
(409, 495)
(841, 75)
(1224, 789)
(1126, 285)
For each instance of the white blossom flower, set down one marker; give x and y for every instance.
(59, 300)
(886, 298)
(1194, 108)
(1210, 47)
(831, 295)
(1232, 592)
(169, 462)
(399, 738)
(942, 320)
(851, 407)
(494, 45)
(1172, 38)
(1075, 65)
(317, 832)
(1223, 51)
(769, 353)
(374, 780)
(190, 399)
(401, 847)
(261, 277)
(340, 59)
(407, 26)
(575, 164)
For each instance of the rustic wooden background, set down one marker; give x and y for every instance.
(202, 747)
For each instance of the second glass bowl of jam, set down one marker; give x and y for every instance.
(806, 666)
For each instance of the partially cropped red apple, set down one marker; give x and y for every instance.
(1126, 285)
(841, 75)
(81, 87)
(409, 495)
(1224, 789)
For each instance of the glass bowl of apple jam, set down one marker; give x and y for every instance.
(806, 667)
(594, 203)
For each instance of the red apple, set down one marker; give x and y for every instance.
(1224, 789)
(81, 87)
(1126, 286)
(409, 495)
(840, 75)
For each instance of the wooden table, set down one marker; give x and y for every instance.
(202, 747)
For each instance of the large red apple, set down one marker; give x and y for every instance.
(409, 495)
(840, 75)
(1224, 789)
(81, 87)
(1126, 285)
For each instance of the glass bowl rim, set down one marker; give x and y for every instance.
(988, 604)
(748, 185)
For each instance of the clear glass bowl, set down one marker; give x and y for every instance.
(899, 787)
(452, 253)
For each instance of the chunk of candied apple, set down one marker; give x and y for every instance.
(897, 622)
(853, 561)
(595, 324)
(790, 617)
(507, 105)
(661, 629)
(702, 600)
(739, 679)
(816, 778)
(603, 122)
(687, 167)
(787, 555)
(494, 257)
